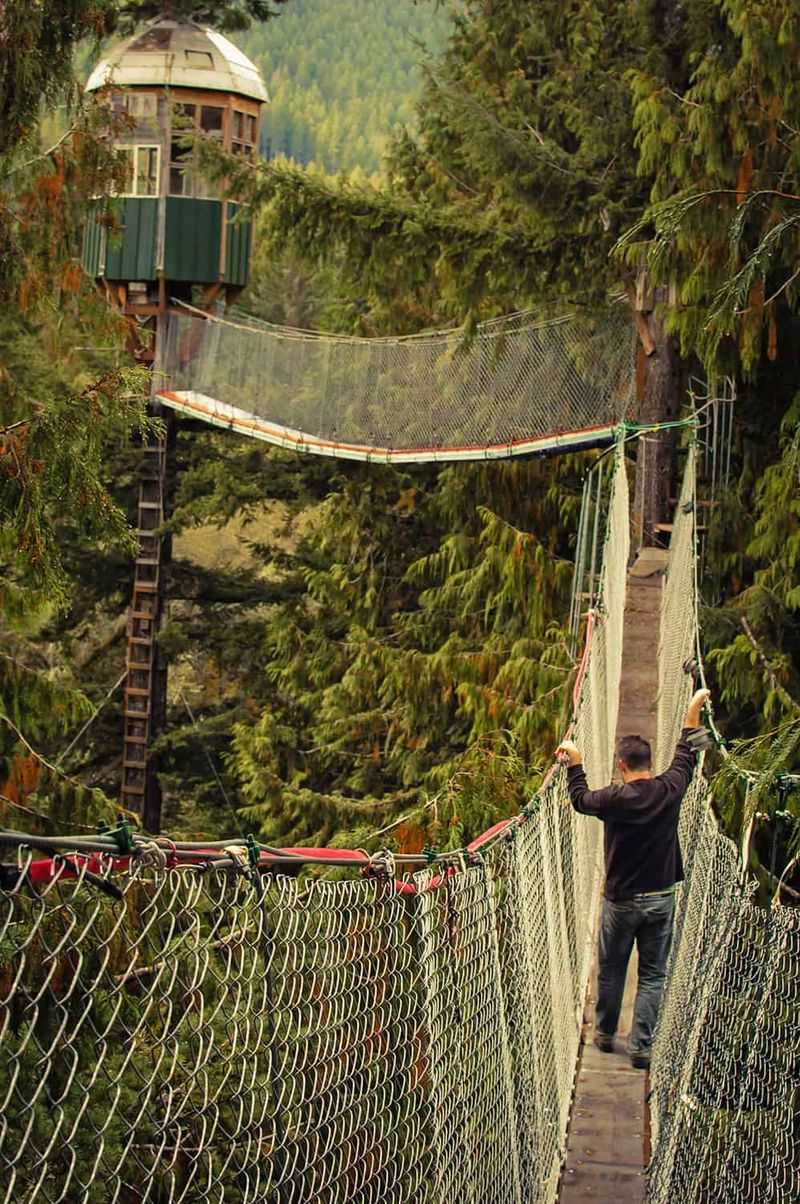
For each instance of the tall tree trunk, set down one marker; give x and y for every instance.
(660, 401)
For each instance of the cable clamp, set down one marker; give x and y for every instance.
(122, 836)
(253, 852)
(529, 810)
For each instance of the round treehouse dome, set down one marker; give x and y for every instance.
(173, 54)
(174, 230)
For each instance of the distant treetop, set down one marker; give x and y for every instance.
(225, 15)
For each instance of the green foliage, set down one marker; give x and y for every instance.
(521, 177)
(226, 15)
(759, 802)
(424, 629)
(389, 641)
(721, 145)
(758, 665)
(341, 77)
(543, 136)
(63, 411)
(38, 41)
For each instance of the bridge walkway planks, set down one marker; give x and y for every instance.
(606, 1141)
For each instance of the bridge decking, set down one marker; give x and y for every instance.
(606, 1141)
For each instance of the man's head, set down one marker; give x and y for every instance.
(634, 757)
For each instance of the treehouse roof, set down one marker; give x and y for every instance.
(179, 54)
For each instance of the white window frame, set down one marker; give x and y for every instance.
(136, 147)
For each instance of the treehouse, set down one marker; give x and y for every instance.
(173, 229)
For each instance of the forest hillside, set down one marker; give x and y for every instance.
(343, 77)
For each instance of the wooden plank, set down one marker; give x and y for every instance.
(603, 1185)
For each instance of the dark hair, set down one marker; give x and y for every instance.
(635, 752)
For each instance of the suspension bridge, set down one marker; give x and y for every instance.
(185, 1022)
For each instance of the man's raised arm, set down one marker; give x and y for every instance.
(679, 773)
(588, 802)
(695, 708)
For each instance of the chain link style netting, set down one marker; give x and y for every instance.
(726, 1067)
(517, 383)
(677, 644)
(211, 1034)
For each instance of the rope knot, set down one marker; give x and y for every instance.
(152, 855)
(382, 864)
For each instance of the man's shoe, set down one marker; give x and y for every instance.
(640, 1060)
(604, 1042)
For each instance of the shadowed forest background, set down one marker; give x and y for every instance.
(362, 655)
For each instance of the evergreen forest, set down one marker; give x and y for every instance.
(343, 78)
(367, 656)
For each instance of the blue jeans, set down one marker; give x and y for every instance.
(648, 920)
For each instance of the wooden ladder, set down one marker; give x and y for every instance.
(143, 623)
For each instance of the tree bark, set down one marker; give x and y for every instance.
(660, 401)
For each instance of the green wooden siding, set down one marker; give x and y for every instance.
(92, 244)
(193, 240)
(237, 247)
(131, 251)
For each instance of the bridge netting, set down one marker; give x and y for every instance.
(185, 1024)
(515, 385)
(214, 1032)
(726, 1065)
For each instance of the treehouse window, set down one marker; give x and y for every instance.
(200, 60)
(185, 178)
(211, 120)
(141, 170)
(244, 134)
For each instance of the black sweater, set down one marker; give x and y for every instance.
(641, 824)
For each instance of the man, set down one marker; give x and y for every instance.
(643, 866)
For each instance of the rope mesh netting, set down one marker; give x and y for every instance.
(516, 384)
(726, 1064)
(219, 1035)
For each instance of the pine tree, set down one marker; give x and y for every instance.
(226, 15)
(60, 414)
(723, 224)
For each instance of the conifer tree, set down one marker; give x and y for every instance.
(723, 224)
(60, 414)
(225, 15)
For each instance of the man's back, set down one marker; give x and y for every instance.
(641, 825)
